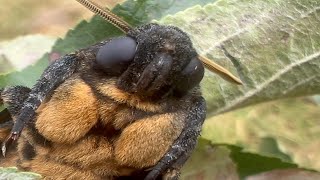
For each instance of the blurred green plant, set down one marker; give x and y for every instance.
(12, 173)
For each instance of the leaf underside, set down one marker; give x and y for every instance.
(273, 46)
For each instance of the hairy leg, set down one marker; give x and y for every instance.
(183, 146)
(13, 98)
(143, 143)
(54, 75)
(71, 112)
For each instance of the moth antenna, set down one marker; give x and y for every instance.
(216, 68)
(106, 14)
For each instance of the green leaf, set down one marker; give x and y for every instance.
(5, 65)
(273, 46)
(25, 50)
(143, 11)
(26, 77)
(250, 163)
(21, 52)
(134, 12)
(13, 174)
(223, 161)
(293, 123)
(269, 146)
(209, 162)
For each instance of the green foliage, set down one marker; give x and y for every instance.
(270, 146)
(209, 161)
(26, 77)
(247, 166)
(5, 65)
(284, 128)
(17, 54)
(13, 174)
(134, 12)
(223, 161)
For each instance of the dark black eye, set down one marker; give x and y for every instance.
(115, 56)
(191, 76)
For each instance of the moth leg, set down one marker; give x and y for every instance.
(142, 143)
(54, 75)
(14, 97)
(174, 172)
(6, 124)
(72, 111)
(183, 146)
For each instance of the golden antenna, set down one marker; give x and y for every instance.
(216, 68)
(125, 27)
(107, 15)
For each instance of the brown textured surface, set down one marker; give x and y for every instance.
(144, 142)
(121, 96)
(71, 113)
(98, 136)
(82, 112)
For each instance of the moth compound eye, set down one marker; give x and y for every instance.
(191, 75)
(115, 56)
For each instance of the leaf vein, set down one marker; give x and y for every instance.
(263, 85)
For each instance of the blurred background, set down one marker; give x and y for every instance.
(50, 17)
(288, 129)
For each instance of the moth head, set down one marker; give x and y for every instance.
(153, 59)
(164, 61)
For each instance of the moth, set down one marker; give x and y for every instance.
(126, 107)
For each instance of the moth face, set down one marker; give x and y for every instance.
(153, 60)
